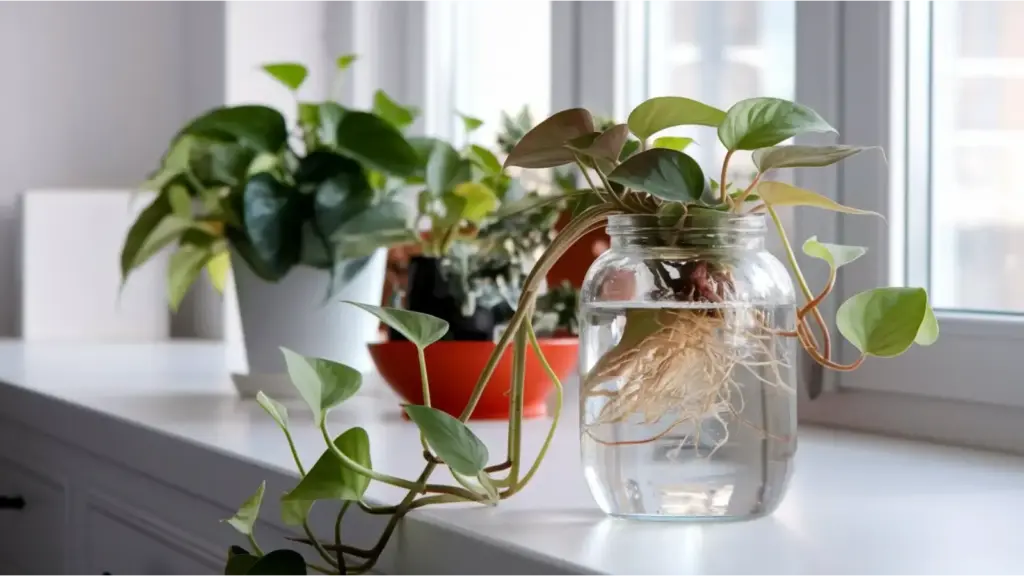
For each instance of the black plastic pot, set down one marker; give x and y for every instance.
(431, 293)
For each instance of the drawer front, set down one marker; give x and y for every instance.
(123, 540)
(32, 538)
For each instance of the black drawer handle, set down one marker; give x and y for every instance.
(11, 502)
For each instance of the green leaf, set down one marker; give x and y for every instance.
(259, 127)
(667, 174)
(424, 147)
(245, 518)
(605, 148)
(544, 145)
(446, 169)
(290, 74)
(331, 114)
(309, 114)
(420, 329)
(450, 439)
(929, 331)
(295, 512)
(802, 156)
(399, 116)
(342, 189)
(782, 194)
(762, 122)
(469, 123)
(382, 225)
(663, 112)
(185, 266)
(276, 410)
(329, 479)
(835, 255)
(153, 229)
(345, 271)
(240, 564)
(282, 562)
(485, 159)
(174, 162)
(480, 484)
(272, 218)
(630, 148)
(181, 202)
(346, 60)
(322, 383)
(672, 142)
(373, 140)
(480, 201)
(222, 163)
(218, 267)
(883, 321)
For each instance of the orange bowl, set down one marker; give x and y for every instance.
(454, 366)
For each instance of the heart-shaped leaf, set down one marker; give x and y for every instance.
(485, 159)
(376, 142)
(220, 163)
(630, 148)
(340, 196)
(245, 518)
(802, 156)
(782, 194)
(217, 267)
(322, 383)
(399, 116)
(544, 145)
(276, 410)
(260, 127)
(672, 142)
(479, 201)
(469, 123)
(668, 174)
(153, 230)
(607, 145)
(450, 439)
(883, 321)
(446, 169)
(329, 479)
(272, 217)
(345, 60)
(663, 112)
(183, 270)
(762, 122)
(290, 74)
(929, 331)
(420, 329)
(295, 512)
(835, 255)
(281, 562)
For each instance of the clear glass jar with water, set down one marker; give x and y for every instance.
(687, 373)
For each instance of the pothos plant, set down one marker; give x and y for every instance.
(240, 178)
(660, 180)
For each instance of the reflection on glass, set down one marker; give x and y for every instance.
(977, 248)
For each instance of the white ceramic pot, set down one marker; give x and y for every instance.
(292, 313)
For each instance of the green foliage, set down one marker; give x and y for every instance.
(420, 329)
(272, 215)
(399, 116)
(886, 321)
(245, 518)
(663, 173)
(762, 122)
(484, 159)
(258, 127)
(374, 141)
(450, 439)
(280, 562)
(835, 255)
(239, 564)
(276, 410)
(802, 156)
(185, 266)
(603, 148)
(329, 479)
(290, 74)
(657, 114)
(470, 124)
(322, 383)
(544, 145)
(477, 201)
(782, 194)
(672, 142)
(343, 62)
(446, 169)
(154, 229)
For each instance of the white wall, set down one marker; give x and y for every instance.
(90, 92)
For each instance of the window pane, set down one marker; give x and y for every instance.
(718, 53)
(977, 205)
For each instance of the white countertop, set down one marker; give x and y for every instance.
(857, 503)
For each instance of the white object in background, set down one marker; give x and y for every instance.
(71, 243)
(293, 313)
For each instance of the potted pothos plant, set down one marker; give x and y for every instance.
(241, 189)
(712, 313)
(476, 235)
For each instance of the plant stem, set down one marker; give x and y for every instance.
(743, 197)
(426, 389)
(295, 454)
(554, 419)
(516, 416)
(320, 569)
(337, 530)
(359, 468)
(803, 332)
(255, 547)
(723, 187)
(820, 297)
(318, 546)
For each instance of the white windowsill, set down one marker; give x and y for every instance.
(857, 503)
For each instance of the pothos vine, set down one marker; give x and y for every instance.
(625, 175)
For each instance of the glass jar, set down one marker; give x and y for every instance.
(687, 382)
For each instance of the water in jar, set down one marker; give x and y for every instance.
(687, 410)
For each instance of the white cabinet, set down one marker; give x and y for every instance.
(33, 508)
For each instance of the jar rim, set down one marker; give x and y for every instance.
(696, 221)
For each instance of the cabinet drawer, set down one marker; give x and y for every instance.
(32, 539)
(122, 540)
